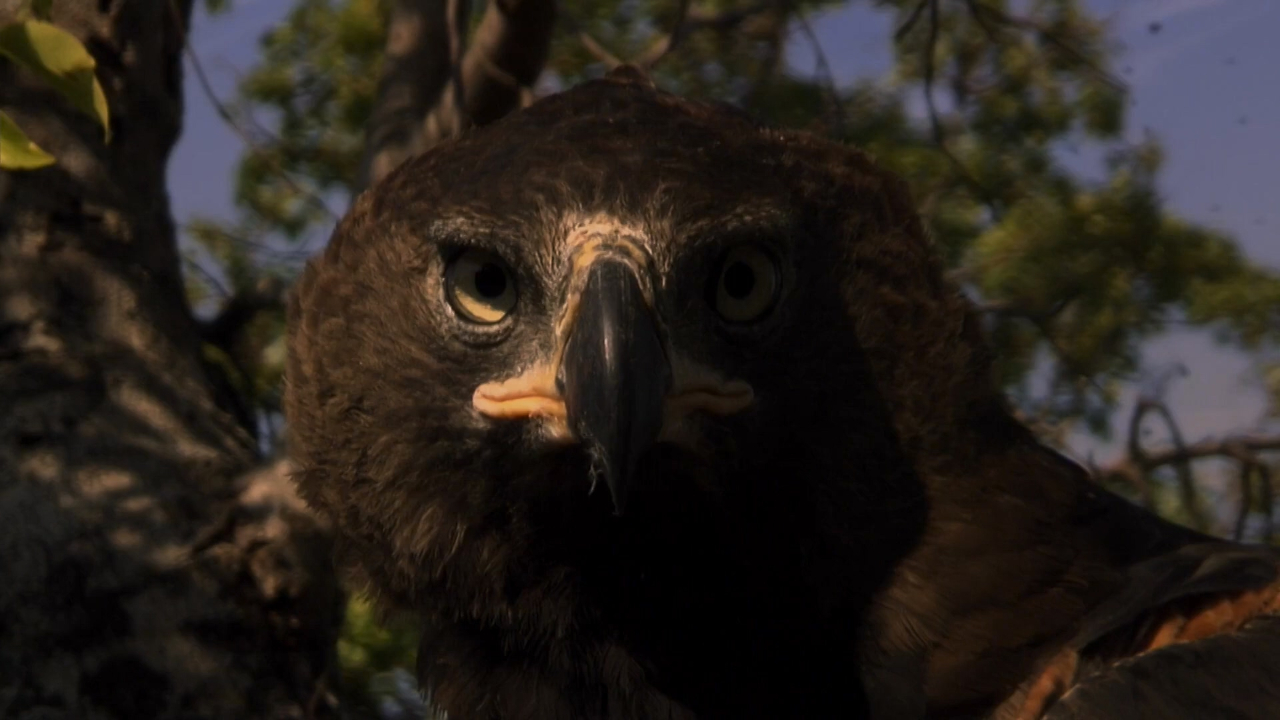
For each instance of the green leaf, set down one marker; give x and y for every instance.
(60, 60)
(17, 152)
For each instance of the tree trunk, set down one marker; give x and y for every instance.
(148, 571)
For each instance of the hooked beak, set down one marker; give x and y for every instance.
(612, 383)
(614, 374)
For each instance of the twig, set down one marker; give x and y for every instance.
(207, 88)
(912, 19)
(255, 247)
(1186, 479)
(935, 122)
(823, 70)
(977, 8)
(209, 278)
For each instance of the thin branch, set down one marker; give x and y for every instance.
(935, 122)
(202, 79)
(823, 71)
(1133, 468)
(911, 20)
(295, 256)
(1209, 448)
(1186, 479)
(977, 9)
(208, 277)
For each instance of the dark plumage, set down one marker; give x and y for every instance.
(649, 411)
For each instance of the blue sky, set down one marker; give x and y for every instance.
(1206, 84)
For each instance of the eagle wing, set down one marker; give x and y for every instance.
(1233, 675)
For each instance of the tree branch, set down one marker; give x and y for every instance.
(425, 40)
(977, 9)
(497, 73)
(1139, 462)
(415, 71)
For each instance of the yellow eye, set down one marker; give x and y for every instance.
(480, 287)
(747, 285)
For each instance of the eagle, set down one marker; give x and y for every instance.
(646, 409)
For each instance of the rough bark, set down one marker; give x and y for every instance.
(148, 571)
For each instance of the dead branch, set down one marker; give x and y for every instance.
(1139, 462)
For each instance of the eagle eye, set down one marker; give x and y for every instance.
(480, 287)
(746, 284)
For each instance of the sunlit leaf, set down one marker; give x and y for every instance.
(60, 60)
(17, 151)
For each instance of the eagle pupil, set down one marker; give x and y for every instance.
(491, 281)
(739, 280)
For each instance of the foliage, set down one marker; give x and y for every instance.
(1073, 274)
(370, 649)
(61, 62)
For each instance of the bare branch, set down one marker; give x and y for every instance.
(1186, 479)
(1139, 462)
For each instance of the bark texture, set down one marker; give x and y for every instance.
(148, 570)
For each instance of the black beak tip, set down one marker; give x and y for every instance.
(614, 376)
